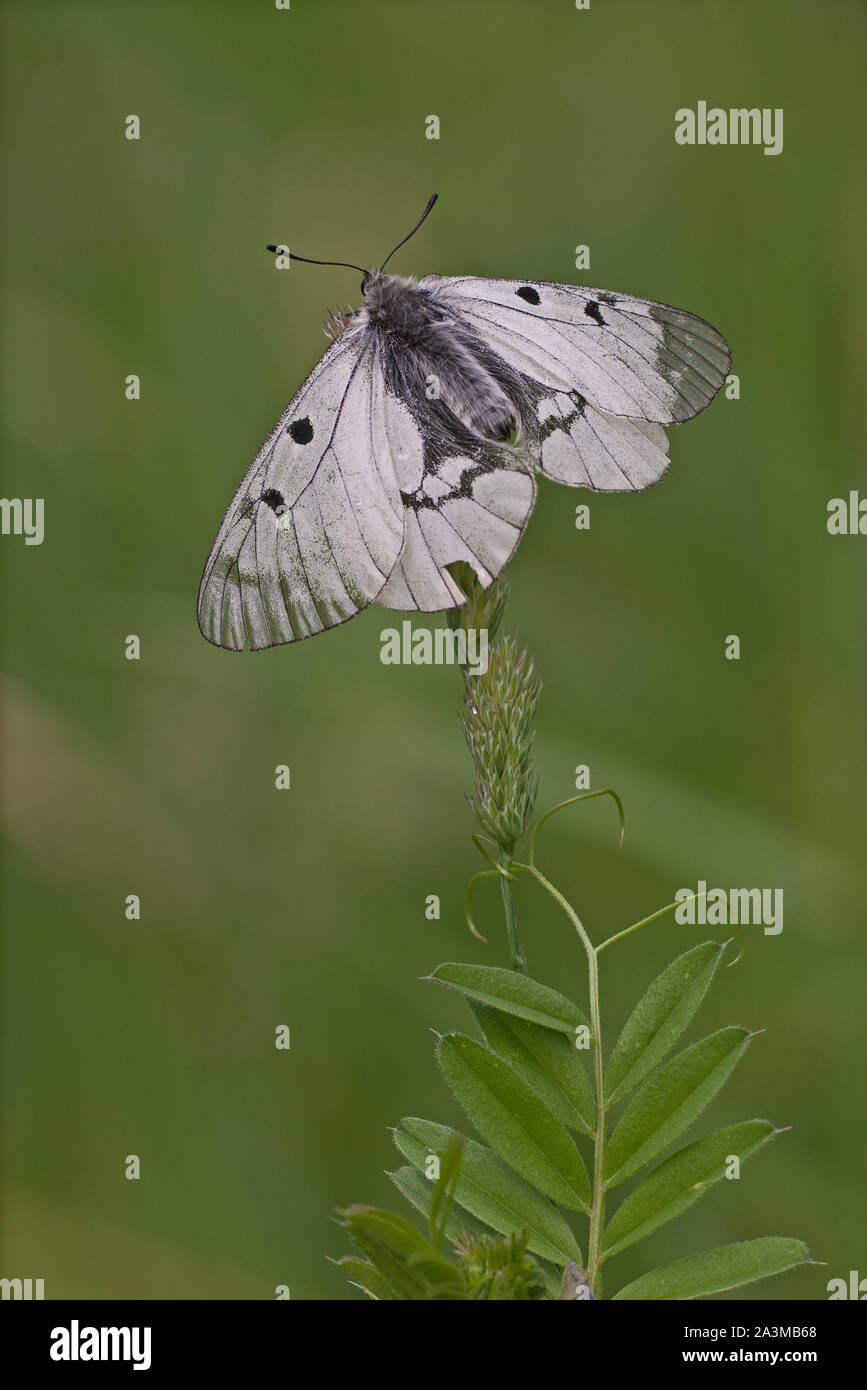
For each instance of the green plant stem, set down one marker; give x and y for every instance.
(519, 960)
(597, 1207)
(597, 1210)
(645, 921)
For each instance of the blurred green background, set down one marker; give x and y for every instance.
(156, 777)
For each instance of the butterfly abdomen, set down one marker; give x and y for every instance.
(414, 326)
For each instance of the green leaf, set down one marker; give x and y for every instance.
(552, 1278)
(514, 1121)
(546, 1060)
(512, 993)
(388, 1241)
(461, 1226)
(491, 1191)
(416, 1188)
(364, 1276)
(444, 1191)
(440, 1273)
(670, 1101)
(680, 1181)
(713, 1271)
(659, 1018)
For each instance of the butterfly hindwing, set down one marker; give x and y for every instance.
(476, 512)
(627, 356)
(585, 447)
(466, 496)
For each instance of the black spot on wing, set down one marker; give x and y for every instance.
(417, 501)
(606, 298)
(301, 430)
(527, 293)
(562, 422)
(592, 310)
(275, 500)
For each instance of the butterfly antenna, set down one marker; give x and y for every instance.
(430, 202)
(284, 251)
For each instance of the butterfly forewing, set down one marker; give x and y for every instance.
(317, 525)
(627, 356)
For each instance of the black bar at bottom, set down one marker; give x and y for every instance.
(155, 1338)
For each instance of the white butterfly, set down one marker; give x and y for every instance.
(415, 441)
